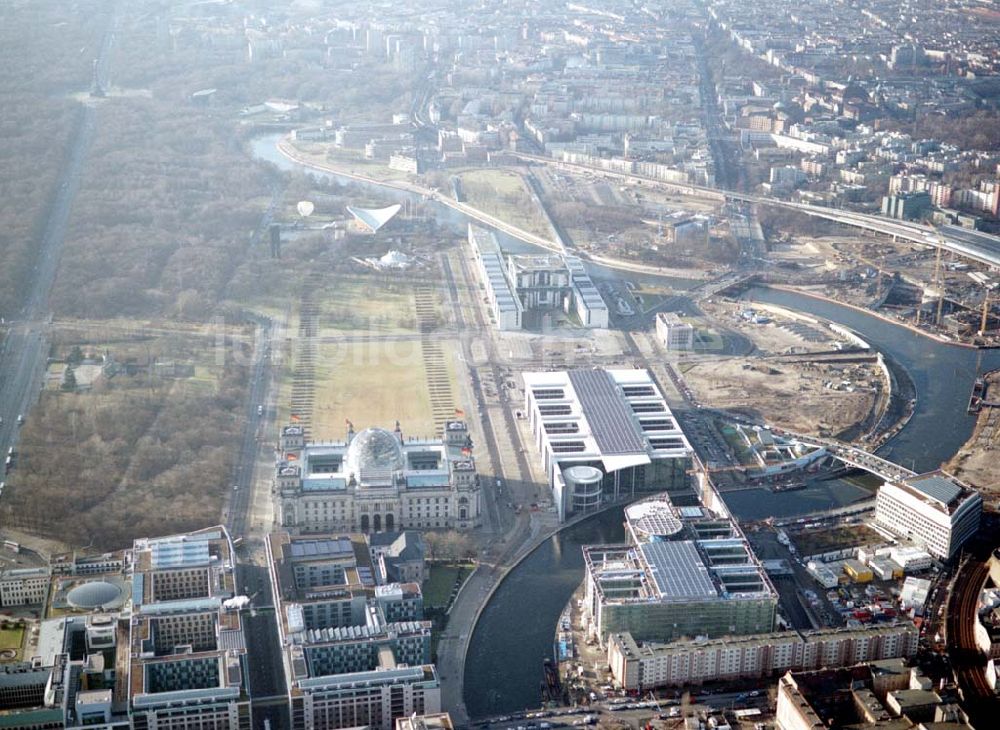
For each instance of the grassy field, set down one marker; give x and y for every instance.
(374, 383)
(348, 161)
(441, 581)
(505, 195)
(11, 638)
(364, 304)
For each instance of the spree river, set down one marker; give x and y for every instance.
(515, 630)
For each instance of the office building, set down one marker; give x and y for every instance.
(906, 206)
(935, 511)
(186, 665)
(505, 306)
(539, 279)
(377, 480)
(685, 572)
(534, 284)
(24, 586)
(354, 652)
(875, 695)
(675, 334)
(613, 422)
(398, 557)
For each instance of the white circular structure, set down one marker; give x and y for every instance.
(374, 450)
(584, 485)
(95, 594)
(654, 519)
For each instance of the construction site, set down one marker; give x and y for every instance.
(840, 386)
(976, 462)
(939, 293)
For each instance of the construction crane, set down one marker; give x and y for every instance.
(986, 314)
(939, 283)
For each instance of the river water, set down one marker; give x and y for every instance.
(515, 631)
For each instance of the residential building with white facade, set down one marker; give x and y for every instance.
(646, 665)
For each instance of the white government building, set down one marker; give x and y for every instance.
(932, 510)
(377, 480)
(520, 283)
(604, 434)
(675, 334)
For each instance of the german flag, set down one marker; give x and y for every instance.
(459, 412)
(295, 418)
(292, 457)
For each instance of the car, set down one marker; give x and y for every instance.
(754, 693)
(20, 418)
(235, 487)
(260, 410)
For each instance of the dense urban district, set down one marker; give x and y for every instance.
(517, 365)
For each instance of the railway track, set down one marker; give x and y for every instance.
(967, 660)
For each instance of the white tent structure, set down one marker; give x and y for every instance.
(374, 218)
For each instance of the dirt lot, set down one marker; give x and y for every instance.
(768, 388)
(813, 542)
(780, 335)
(976, 462)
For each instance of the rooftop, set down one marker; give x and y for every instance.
(678, 571)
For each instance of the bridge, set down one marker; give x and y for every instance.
(848, 454)
(853, 456)
(711, 288)
(861, 459)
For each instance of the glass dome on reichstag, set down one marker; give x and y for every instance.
(374, 449)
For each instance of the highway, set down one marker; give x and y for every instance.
(25, 347)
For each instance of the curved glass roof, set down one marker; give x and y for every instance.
(374, 450)
(94, 594)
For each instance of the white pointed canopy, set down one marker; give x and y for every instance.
(374, 218)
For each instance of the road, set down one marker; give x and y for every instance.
(25, 347)
(509, 535)
(244, 469)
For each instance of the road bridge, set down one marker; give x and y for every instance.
(853, 456)
(849, 454)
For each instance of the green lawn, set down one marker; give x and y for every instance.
(441, 580)
(11, 639)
